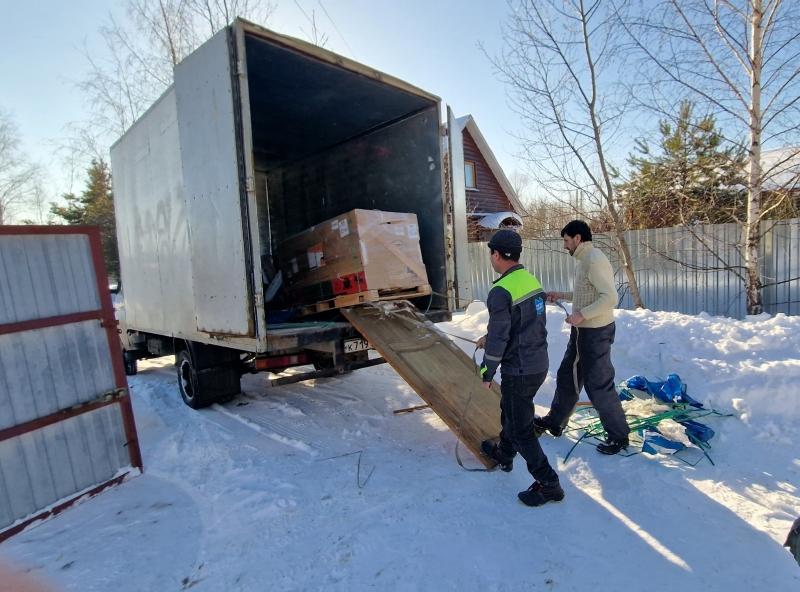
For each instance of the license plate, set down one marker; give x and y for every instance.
(355, 345)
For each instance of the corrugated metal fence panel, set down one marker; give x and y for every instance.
(42, 467)
(45, 276)
(45, 370)
(62, 433)
(677, 269)
(782, 268)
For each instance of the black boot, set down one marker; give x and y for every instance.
(546, 424)
(612, 446)
(539, 494)
(491, 449)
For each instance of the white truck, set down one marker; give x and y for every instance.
(261, 136)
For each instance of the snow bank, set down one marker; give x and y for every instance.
(320, 486)
(748, 367)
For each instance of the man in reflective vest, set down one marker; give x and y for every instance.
(516, 341)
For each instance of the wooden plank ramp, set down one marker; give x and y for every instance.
(362, 297)
(441, 374)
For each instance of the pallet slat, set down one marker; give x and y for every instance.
(346, 300)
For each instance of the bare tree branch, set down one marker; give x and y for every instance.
(706, 62)
(18, 176)
(142, 50)
(560, 63)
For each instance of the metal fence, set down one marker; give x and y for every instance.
(689, 270)
(66, 424)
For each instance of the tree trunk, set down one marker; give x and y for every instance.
(619, 229)
(633, 286)
(752, 227)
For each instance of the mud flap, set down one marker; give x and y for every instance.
(441, 374)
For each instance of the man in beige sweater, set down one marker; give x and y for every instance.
(587, 361)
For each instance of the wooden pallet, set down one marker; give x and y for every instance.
(346, 300)
(435, 367)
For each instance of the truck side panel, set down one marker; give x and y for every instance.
(210, 152)
(151, 223)
(153, 232)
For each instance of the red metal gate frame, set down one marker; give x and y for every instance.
(105, 314)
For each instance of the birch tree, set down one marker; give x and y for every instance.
(143, 48)
(18, 176)
(560, 62)
(741, 59)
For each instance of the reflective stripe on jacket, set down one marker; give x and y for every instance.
(517, 333)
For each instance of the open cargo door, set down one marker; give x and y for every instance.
(458, 190)
(207, 97)
(443, 375)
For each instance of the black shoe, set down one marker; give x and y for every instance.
(546, 424)
(539, 494)
(491, 449)
(612, 446)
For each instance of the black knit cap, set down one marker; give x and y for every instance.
(506, 242)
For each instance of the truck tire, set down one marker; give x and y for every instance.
(187, 381)
(130, 362)
(204, 386)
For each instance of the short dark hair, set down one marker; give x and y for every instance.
(578, 227)
(510, 257)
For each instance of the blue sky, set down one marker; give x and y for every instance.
(433, 45)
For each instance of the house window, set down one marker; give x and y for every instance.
(470, 175)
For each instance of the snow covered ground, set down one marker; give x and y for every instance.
(319, 486)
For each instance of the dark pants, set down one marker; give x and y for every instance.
(587, 364)
(516, 416)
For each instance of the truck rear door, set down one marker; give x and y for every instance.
(458, 204)
(209, 126)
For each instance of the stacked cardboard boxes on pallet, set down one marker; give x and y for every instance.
(360, 256)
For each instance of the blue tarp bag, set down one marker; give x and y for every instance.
(653, 442)
(671, 391)
(697, 431)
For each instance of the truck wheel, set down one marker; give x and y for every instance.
(188, 382)
(201, 387)
(130, 362)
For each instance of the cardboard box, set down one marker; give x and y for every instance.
(357, 252)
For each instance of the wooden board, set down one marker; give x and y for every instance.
(441, 374)
(362, 297)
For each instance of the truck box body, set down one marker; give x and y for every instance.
(260, 137)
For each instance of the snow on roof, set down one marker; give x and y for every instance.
(781, 167)
(496, 219)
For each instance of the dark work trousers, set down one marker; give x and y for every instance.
(587, 364)
(516, 417)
